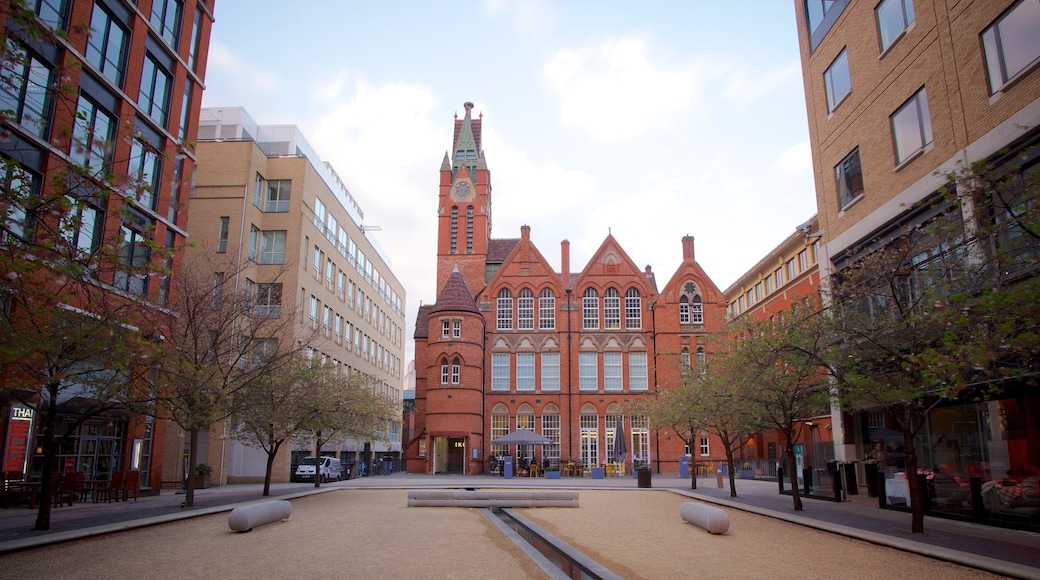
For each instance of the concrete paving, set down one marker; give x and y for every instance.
(1008, 552)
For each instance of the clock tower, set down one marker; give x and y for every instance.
(464, 206)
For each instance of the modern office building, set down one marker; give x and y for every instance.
(112, 88)
(263, 194)
(513, 343)
(900, 93)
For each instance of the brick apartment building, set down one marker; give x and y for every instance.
(898, 93)
(513, 343)
(115, 90)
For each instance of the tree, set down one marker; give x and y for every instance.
(727, 415)
(343, 407)
(680, 409)
(219, 341)
(780, 359)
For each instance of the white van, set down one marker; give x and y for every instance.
(330, 469)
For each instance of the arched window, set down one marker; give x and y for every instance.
(547, 310)
(633, 310)
(444, 371)
(469, 230)
(701, 359)
(611, 309)
(551, 429)
(505, 310)
(455, 371)
(684, 310)
(684, 358)
(697, 311)
(590, 309)
(525, 310)
(454, 229)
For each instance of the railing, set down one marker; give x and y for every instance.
(745, 468)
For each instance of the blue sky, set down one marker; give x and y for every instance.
(649, 120)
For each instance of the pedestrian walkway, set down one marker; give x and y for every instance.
(1012, 553)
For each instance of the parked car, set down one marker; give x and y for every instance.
(331, 470)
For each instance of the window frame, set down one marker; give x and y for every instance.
(833, 100)
(590, 309)
(546, 310)
(907, 15)
(588, 371)
(100, 54)
(994, 48)
(525, 376)
(274, 200)
(504, 310)
(917, 109)
(844, 180)
(154, 97)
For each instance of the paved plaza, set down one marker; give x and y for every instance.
(1004, 552)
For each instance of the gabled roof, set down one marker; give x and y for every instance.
(498, 250)
(422, 329)
(455, 296)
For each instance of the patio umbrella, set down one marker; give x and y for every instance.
(620, 450)
(522, 437)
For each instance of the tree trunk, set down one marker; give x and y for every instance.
(792, 475)
(189, 485)
(693, 469)
(732, 474)
(917, 491)
(50, 453)
(317, 459)
(267, 474)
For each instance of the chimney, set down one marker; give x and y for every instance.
(687, 248)
(565, 263)
(525, 246)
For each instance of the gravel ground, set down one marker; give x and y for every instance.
(373, 534)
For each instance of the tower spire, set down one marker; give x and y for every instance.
(466, 148)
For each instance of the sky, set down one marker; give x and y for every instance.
(648, 120)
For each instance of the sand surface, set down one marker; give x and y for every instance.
(373, 534)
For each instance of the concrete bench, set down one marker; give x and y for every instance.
(246, 517)
(705, 516)
(492, 498)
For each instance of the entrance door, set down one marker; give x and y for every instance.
(456, 455)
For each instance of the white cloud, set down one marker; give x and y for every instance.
(797, 157)
(225, 62)
(616, 90)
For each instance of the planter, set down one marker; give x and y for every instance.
(202, 481)
(552, 475)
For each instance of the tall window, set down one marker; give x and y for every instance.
(320, 211)
(134, 255)
(550, 371)
(454, 229)
(590, 309)
(612, 374)
(193, 49)
(633, 310)
(838, 80)
(469, 229)
(92, 136)
(277, 198)
(445, 371)
(499, 428)
(551, 430)
(272, 247)
(816, 10)
(640, 440)
(504, 313)
(684, 310)
(144, 170)
(166, 18)
(24, 82)
(500, 371)
(525, 371)
(1011, 43)
(222, 234)
(456, 371)
(84, 226)
(106, 45)
(547, 310)
(911, 127)
(588, 375)
(803, 261)
(589, 425)
(849, 176)
(637, 380)
(893, 17)
(778, 277)
(611, 309)
(525, 310)
(155, 90)
(51, 12)
(704, 446)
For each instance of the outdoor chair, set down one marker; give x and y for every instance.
(115, 486)
(63, 487)
(535, 470)
(130, 484)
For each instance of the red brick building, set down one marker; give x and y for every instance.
(513, 343)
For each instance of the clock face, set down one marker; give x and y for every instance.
(462, 190)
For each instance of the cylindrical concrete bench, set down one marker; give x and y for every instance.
(246, 517)
(704, 516)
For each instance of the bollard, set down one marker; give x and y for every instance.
(718, 476)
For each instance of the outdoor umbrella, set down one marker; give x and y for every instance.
(522, 437)
(619, 442)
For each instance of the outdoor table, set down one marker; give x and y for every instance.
(31, 487)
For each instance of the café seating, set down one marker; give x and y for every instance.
(12, 491)
(64, 487)
(535, 471)
(130, 484)
(115, 486)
